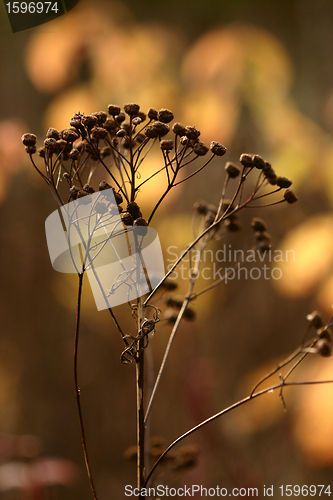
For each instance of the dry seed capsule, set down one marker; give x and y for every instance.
(200, 149)
(233, 225)
(50, 144)
(258, 162)
(217, 148)
(41, 152)
(232, 170)
(316, 319)
(120, 118)
(150, 132)
(258, 224)
(101, 117)
(89, 120)
(110, 124)
(113, 110)
(69, 135)
(283, 182)
(178, 129)
(324, 348)
(290, 196)
(166, 145)
(325, 333)
(161, 128)
(74, 154)
(152, 113)
(141, 226)
(54, 133)
(99, 133)
(246, 160)
(31, 149)
(127, 219)
(29, 139)
(131, 109)
(192, 132)
(100, 208)
(106, 151)
(165, 115)
(134, 209)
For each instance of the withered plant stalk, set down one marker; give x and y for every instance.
(117, 144)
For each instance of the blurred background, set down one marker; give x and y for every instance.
(255, 75)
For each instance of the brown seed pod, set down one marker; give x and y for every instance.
(41, 152)
(121, 133)
(200, 149)
(141, 226)
(150, 132)
(69, 135)
(54, 133)
(101, 208)
(88, 189)
(283, 182)
(201, 207)
(73, 192)
(315, 319)
(89, 121)
(103, 185)
(192, 132)
(178, 129)
(113, 110)
(264, 246)
(233, 225)
(127, 219)
(324, 348)
(99, 133)
(258, 224)
(136, 120)
(161, 128)
(134, 209)
(152, 113)
(246, 160)
(114, 209)
(258, 162)
(325, 333)
(101, 117)
(217, 148)
(106, 151)
(131, 109)
(50, 144)
(120, 118)
(111, 124)
(232, 170)
(74, 154)
(165, 115)
(31, 149)
(29, 139)
(166, 145)
(262, 236)
(290, 196)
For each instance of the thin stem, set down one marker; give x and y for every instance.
(140, 402)
(227, 410)
(76, 385)
(186, 302)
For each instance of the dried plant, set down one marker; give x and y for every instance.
(115, 146)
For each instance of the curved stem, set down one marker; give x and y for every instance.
(227, 410)
(76, 385)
